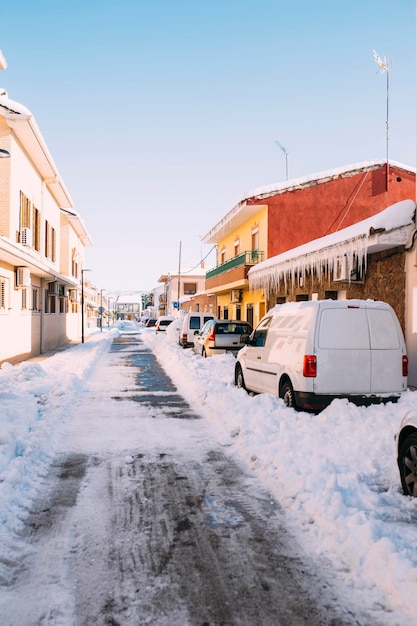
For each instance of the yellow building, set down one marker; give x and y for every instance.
(241, 240)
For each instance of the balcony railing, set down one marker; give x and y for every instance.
(249, 257)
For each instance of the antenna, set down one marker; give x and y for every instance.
(281, 147)
(384, 68)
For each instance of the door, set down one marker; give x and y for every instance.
(343, 352)
(253, 356)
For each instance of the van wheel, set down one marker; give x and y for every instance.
(287, 394)
(239, 380)
(407, 462)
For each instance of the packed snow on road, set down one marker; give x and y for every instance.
(334, 474)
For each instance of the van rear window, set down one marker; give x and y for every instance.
(384, 334)
(344, 329)
(195, 323)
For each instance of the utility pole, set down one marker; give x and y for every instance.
(179, 277)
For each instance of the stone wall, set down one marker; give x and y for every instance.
(384, 279)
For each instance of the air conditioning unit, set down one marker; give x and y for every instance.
(53, 288)
(26, 237)
(235, 296)
(23, 277)
(73, 295)
(63, 291)
(342, 273)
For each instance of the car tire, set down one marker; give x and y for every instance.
(407, 463)
(287, 394)
(239, 379)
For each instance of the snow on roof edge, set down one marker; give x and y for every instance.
(298, 182)
(352, 239)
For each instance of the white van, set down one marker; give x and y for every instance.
(310, 353)
(193, 321)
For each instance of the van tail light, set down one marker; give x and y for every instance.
(405, 365)
(310, 366)
(212, 334)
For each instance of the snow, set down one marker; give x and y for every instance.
(334, 474)
(319, 254)
(298, 183)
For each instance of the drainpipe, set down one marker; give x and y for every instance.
(42, 325)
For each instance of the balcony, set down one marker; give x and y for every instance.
(234, 270)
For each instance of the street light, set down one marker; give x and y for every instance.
(109, 311)
(82, 303)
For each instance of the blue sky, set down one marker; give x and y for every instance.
(161, 114)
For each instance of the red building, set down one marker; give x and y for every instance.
(304, 209)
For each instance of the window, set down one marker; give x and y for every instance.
(30, 222)
(74, 262)
(24, 293)
(237, 247)
(50, 303)
(225, 313)
(249, 314)
(3, 293)
(261, 331)
(255, 239)
(35, 299)
(238, 312)
(50, 241)
(25, 211)
(223, 256)
(63, 305)
(301, 297)
(36, 222)
(190, 288)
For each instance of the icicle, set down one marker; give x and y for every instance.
(270, 277)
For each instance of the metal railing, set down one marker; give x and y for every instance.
(249, 257)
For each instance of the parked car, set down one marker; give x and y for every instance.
(309, 353)
(406, 444)
(150, 322)
(220, 336)
(191, 324)
(162, 322)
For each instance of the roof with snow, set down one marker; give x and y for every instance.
(241, 211)
(387, 229)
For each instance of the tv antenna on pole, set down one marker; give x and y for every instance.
(384, 68)
(281, 147)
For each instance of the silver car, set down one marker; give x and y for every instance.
(220, 336)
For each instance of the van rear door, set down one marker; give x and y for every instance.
(387, 351)
(343, 352)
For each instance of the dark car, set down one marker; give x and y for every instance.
(150, 322)
(406, 443)
(220, 336)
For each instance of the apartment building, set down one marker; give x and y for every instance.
(42, 242)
